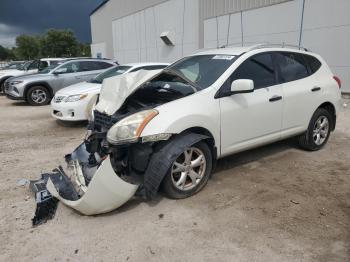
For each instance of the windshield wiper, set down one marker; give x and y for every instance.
(194, 86)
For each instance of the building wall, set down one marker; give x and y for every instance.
(101, 20)
(325, 30)
(136, 37)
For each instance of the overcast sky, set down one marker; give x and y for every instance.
(35, 16)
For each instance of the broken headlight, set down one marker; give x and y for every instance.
(129, 129)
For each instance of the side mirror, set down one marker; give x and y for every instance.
(60, 71)
(241, 86)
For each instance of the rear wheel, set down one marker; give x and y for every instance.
(189, 173)
(38, 96)
(318, 131)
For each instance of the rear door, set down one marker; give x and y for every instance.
(252, 119)
(299, 91)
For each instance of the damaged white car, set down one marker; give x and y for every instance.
(166, 129)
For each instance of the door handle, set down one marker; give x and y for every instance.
(275, 98)
(315, 89)
(77, 77)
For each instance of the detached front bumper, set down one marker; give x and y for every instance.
(90, 190)
(105, 192)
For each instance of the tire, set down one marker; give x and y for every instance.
(38, 96)
(186, 186)
(2, 87)
(316, 136)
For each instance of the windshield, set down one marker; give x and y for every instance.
(203, 70)
(167, 86)
(24, 66)
(13, 66)
(114, 71)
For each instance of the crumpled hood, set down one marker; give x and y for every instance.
(79, 88)
(116, 89)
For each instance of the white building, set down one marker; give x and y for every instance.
(130, 30)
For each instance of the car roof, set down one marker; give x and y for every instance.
(144, 64)
(236, 51)
(52, 59)
(89, 59)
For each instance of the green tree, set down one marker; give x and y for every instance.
(59, 43)
(28, 47)
(84, 50)
(4, 53)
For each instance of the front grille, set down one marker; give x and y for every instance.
(58, 99)
(103, 120)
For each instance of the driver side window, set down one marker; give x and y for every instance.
(33, 65)
(258, 68)
(72, 67)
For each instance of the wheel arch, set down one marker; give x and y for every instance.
(331, 109)
(43, 84)
(210, 141)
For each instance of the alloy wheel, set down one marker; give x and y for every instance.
(320, 131)
(188, 169)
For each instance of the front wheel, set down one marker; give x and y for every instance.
(318, 131)
(189, 173)
(38, 96)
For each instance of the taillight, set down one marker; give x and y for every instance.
(337, 79)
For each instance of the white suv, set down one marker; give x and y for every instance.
(167, 129)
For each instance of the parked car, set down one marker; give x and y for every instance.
(38, 89)
(166, 129)
(70, 103)
(13, 65)
(27, 68)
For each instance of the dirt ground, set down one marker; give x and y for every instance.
(275, 203)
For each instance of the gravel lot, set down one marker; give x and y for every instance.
(275, 203)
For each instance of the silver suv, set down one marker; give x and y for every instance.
(38, 89)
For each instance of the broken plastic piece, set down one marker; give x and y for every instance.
(106, 192)
(22, 182)
(46, 204)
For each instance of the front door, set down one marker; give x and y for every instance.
(252, 119)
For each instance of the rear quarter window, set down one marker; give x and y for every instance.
(313, 62)
(292, 66)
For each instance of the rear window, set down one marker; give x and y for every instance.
(314, 63)
(292, 66)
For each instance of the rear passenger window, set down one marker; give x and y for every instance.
(313, 62)
(258, 68)
(292, 66)
(103, 65)
(94, 65)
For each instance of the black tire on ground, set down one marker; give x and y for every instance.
(38, 96)
(2, 87)
(307, 140)
(168, 183)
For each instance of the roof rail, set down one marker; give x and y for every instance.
(283, 45)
